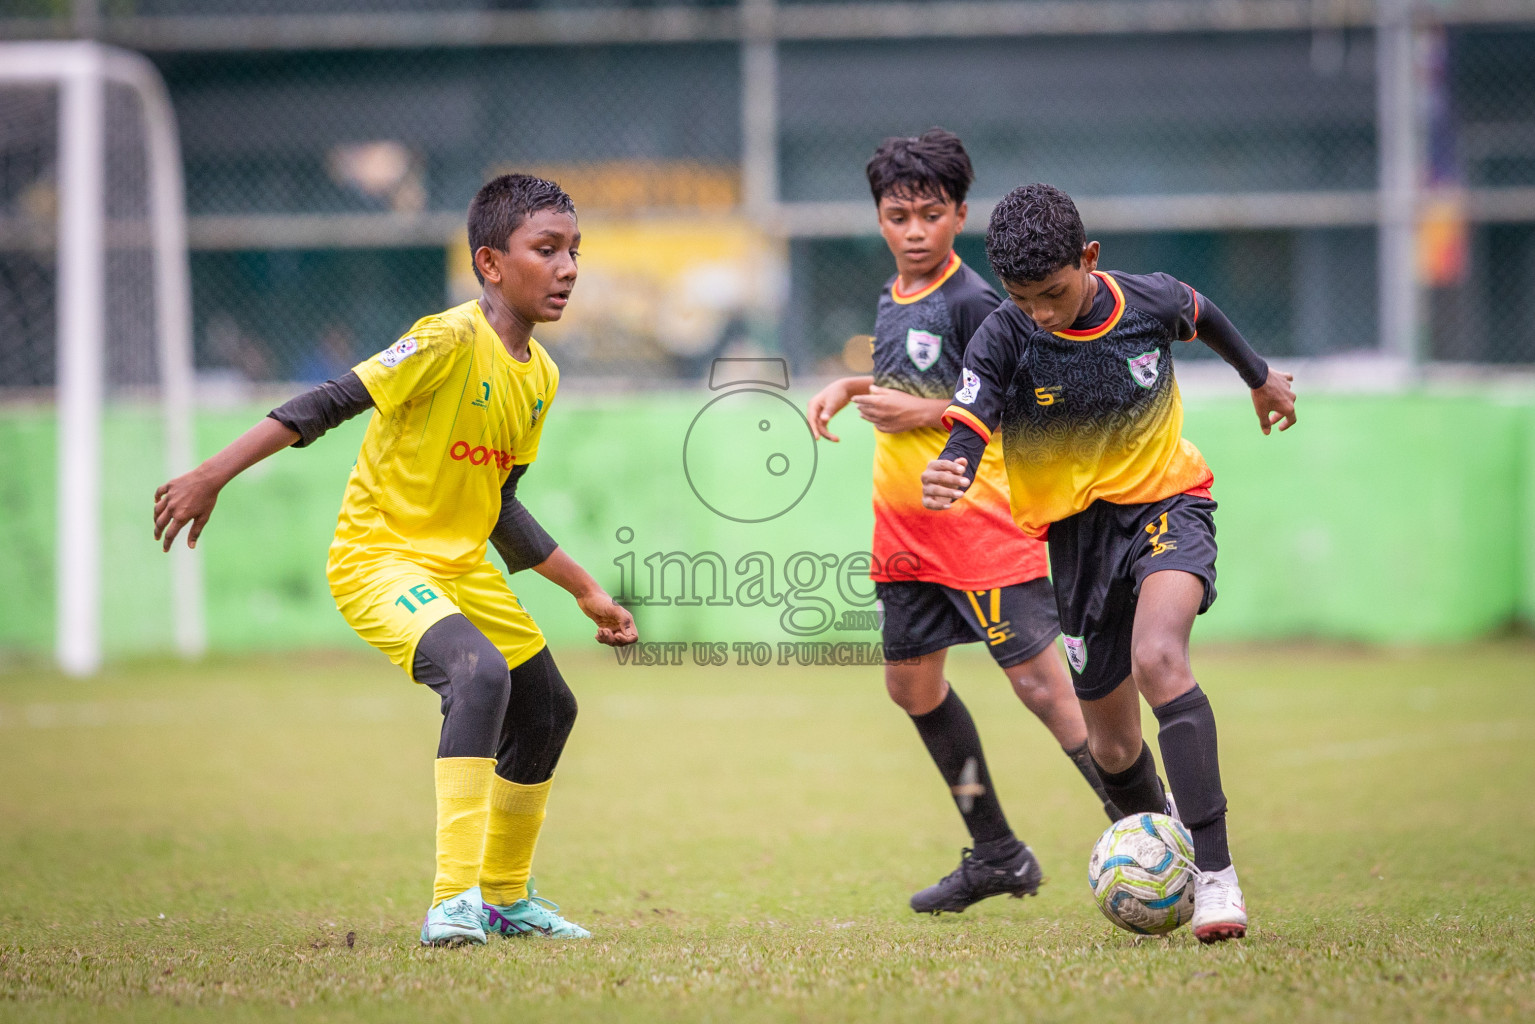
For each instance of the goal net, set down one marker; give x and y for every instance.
(95, 356)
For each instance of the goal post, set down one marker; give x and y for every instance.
(81, 73)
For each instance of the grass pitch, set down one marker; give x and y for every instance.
(247, 838)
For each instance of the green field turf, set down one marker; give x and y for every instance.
(246, 837)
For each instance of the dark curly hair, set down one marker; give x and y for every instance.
(1034, 231)
(933, 164)
(502, 204)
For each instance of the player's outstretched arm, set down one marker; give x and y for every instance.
(615, 626)
(188, 500)
(1273, 397)
(830, 400)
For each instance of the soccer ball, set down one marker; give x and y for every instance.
(1142, 873)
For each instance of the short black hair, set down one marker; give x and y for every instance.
(933, 164)
(502, 204)
(1034, 231)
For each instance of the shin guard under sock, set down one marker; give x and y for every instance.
(1187, 739)
(463, 802)
(516, 817)
(949, 734)
(1084, 762)
(1137, 789)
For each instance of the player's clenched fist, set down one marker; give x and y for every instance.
(943, 482)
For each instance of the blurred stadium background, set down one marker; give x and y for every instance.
(1354, 181)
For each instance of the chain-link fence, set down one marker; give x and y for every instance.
(1286, 119)
(334, 148)
(70, 10)
(1154, 116)
(29, 207)
(326, 182)
(28, 162)
(1157, 116)
(1478, 256)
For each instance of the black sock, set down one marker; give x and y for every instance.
(1084, 762)
(951, 739)
(1137, 789)
(1187, 739)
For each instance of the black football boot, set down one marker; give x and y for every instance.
(975, 880)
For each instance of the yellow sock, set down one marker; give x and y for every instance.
(463, 803)
(516, 816)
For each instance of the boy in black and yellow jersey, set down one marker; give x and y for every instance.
(1075, 374)
(957, 579)
(459, 404)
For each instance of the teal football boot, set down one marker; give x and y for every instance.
(455, 921)
(531, 916)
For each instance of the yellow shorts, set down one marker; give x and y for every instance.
(398, 605)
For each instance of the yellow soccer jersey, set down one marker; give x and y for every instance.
(454, 412)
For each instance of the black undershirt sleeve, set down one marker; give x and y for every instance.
(964, 443)
(991, 358)
(517, 535)
(322, 408)
(1227, 342)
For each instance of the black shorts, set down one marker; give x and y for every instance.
(1098, 559)
(1017, 622)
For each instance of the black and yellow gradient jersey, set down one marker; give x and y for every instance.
(919, 345)
(1091, 413)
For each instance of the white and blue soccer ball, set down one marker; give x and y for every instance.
(1142, 873)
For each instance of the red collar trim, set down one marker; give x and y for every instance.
(1094, 333)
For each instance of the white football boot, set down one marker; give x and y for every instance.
(1219, 910)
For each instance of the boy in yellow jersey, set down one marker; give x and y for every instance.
(459, 405)
(1075, 374)
(946, 580)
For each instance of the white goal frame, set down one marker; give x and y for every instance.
(81, 72)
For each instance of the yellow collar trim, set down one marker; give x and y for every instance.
(948, 272)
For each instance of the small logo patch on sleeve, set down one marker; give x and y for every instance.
(969, 387)
(401, 349)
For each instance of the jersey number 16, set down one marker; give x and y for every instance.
(421, 592)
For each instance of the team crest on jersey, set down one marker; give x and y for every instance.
(1144, 367)
(1076, 652)
(969, 387)
(538, 410)
(923, 348)
(401, 349)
